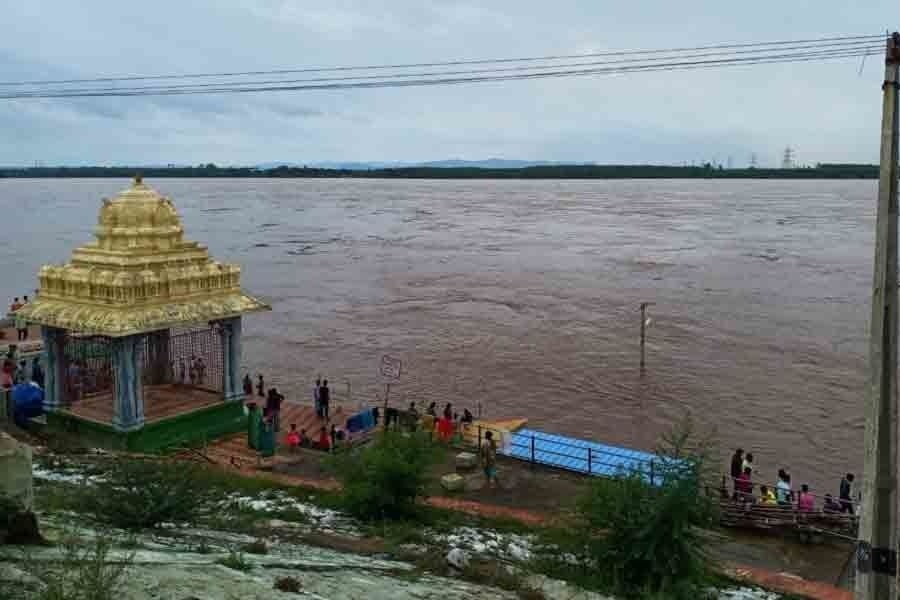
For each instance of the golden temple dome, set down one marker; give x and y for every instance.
(139, 275)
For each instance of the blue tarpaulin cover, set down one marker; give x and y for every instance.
(28, 402)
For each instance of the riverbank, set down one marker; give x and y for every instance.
(531, 500)
(263, 537)
(582, 171)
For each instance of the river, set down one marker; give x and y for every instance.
(523, 296)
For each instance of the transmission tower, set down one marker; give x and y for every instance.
(788, 161)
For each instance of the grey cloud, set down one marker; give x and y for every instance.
(826, 110)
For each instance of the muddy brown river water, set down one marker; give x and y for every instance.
(523, 296)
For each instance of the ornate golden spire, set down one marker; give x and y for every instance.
(139, 275)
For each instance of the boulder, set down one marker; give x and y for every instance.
(453, 482)
(466, 461)
(15, 472)
(458, 558)
(21, 529)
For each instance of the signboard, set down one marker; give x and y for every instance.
(390, 367)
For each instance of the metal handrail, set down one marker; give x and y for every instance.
(584, 453)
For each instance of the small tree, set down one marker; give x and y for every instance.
(140, 494)
(644, 538)
(84, 570)
(384, 480)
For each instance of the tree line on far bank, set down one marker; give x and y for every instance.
(706, 171)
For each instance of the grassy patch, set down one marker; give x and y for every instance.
(235, 560)
(85, 570)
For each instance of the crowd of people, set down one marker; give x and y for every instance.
(448, 425)
(782, 493)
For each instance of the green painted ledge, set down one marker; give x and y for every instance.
(187, 429)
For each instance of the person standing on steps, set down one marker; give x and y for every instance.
(845, 494)
(317, 398)
(248, 386)
(489, 459)
(260, 386)
(273, 408)
(737, 468)
(324, 399)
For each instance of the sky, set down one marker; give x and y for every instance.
(828, 112)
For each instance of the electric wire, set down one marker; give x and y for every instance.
(725, 46)
(838, 47)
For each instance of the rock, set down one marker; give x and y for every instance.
(453, 482)
(288, 584)
(458, 558)
(412, 549)
(22, 528)
(466, 461)
(15, 471)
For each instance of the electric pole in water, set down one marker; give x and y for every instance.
(644, 306)
(876, 551)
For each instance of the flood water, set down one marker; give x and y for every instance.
(523, 296)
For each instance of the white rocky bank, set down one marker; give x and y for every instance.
(185, 563)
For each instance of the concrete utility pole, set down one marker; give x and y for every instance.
(644, 306)
(876, 551)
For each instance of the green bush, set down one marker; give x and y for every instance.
(235, 560)
(384, 479)
(84, 571)
(140, 494)
(643, 539)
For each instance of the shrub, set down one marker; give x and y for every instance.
(235, 560)
(84, 571)
(639, 538)
(383, 480)
(288, 584)
(140, 494)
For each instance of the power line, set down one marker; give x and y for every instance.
(444, 80)
(732, 46)
(832, 47)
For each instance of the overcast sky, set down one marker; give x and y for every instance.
(828, 112)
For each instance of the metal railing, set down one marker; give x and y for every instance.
(532, 447)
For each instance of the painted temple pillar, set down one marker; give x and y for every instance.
(128, 397)
(230, 330)
(55, 368)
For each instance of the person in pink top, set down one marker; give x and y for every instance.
(806, 502)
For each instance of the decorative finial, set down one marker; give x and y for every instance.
(138, 180)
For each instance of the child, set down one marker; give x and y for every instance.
(324, 442)
(293, 438)
(305, 441)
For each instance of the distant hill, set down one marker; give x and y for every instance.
(451, 163)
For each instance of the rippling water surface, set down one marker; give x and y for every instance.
(523, 296)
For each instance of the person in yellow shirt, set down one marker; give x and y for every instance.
(767, 496)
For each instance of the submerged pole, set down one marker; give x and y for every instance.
(876, 552)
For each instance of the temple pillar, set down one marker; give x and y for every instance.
(230, 330)
(55, 368)
(128, 393)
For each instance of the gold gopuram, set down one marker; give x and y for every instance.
(142, 315)
(140, 275)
